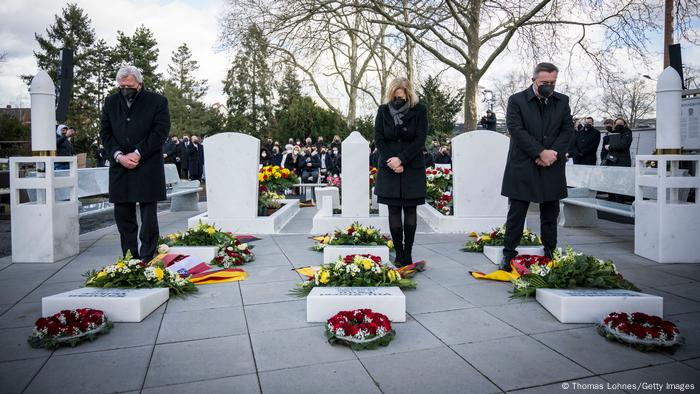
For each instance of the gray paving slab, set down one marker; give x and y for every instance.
(13, 342)
(244, 384)
(431, 297)
(571, 386)
(16, 375)
(465, 325)
(645, 276)
(277, 316)
(21, 315)
(487, 293)
(190, 361)
(202, 324)
(584, 346)
(47, 289)
(410, 336)
(674, 304)
(262, 293)
(339, 377)
(427, 371)
(695, 363)
(685, 270)
(209, 296)
(270, 259)
(295, 348)
(672, 373)
(529, 318)
(446, 272)
(269, 274)
(689, 326)
(686, 290)
(94, 372)
(527, 369)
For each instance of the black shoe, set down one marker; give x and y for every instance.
(505, 265)
(399, 258)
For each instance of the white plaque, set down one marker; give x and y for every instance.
(120, 305)
(324, 302)
(495, 253)
(591, 305)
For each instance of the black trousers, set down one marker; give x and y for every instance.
(125, 216)
(517, 212)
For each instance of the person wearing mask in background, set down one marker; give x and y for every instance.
(101, 157)
(309, 164)
(584, 146)
(290, 141)
(195, 156)
(287, 160)
(170, 151)
(617, 147)
(326, 162)
(134, 126)
(264, 157)
(308, 143)
(443, 156)
(336, 143)
(609, 124)
(185, 156)
(489, 121)
(336, 157)
(268, 145)
(400, 130)
(63, 145)
(428, 158)
(276, 159)
(320, 144)
(540, 126)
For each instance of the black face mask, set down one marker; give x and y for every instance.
(608, 128)
(398, 102)
(128, 93)
(619, 128)
(545, 90)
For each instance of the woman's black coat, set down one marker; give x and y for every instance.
(144, 127)
(405, 142)
(618, 154)
(195, 154)
(534, 127)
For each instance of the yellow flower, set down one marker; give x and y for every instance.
(326, 239)
(392, 275)
(211, 230)
(486, 238)
(101, 274)
(325, 277)
(173, 236)
(539, 241)
(367, 264)
(390, 244)
(159, 273)
(473, 234)
(371, 231)
(121, 265)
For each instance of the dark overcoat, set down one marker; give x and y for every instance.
(619, 153)
(406, 142)
(195, 154)
(535, 126)
(584, 146)
(144, 127)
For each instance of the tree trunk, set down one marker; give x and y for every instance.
(471, 88)
(668, 30)
(410, 48)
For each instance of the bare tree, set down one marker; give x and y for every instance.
(470, 36)
(506, 86)
(3, 57)
(630, 99)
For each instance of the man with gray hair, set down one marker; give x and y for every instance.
(135, 125)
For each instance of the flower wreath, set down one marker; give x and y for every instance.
(69, 328)
(641, 331)
(360, 329)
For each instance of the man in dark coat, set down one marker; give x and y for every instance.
(135, 125)
(584, 146)
(540, 126)
(170, 150)
(195, 152)
(185, 157)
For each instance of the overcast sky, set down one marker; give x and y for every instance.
(195, 22)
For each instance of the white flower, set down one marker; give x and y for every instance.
(163, 249)
(242, 247)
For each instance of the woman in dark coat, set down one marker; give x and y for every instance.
(617, 146)
(400, 130)
(195, 152)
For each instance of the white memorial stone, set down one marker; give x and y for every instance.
(324, 302)
(355, 175)
(591, 305)
(495, 253)
(332, 252)
(205, 254)
(120, 305)
(330, 191)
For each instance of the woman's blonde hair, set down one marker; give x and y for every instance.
(406, 85)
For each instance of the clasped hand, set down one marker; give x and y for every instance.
(395, 164)
(130, 160)
(547, 158)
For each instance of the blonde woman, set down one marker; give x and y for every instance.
(400, 130)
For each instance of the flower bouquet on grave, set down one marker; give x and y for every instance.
(276, 178)
(372, 176)
(234, 254)
(135, 274)
(202, 235)
(641, 331)
(444, 204)
(69, 328)
(360, 329)
(497, 237)
(268, 201)
(441, 178)
(333, 180)
(354, 271)
(570, 271)
(356, 234)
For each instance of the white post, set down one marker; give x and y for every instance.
(355, 175)
(43, 102)
(668, 109)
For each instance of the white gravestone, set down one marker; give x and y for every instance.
(495, 253)
(331, 191)
(478, 161)
(232, 175)
(324, 302)
(120, 305)
(355, 185)
(332, 252)
(205, 254)
(591, 305)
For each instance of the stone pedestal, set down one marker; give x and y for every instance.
(44, 206)
(332, 252)
(120, 305)
(591, 305)
(667, 226)
(331, 192)
(324, 302)
(495, 253)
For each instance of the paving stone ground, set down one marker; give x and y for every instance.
(461, 335)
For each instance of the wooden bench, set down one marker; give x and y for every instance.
(580, 208)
